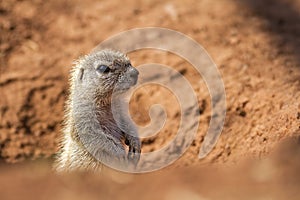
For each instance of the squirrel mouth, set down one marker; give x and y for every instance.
(134, 82)
(126, 85)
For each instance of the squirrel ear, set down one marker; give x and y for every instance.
(80, 75)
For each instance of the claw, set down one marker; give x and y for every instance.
(134, 151)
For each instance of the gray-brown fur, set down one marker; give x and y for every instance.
(93, 134)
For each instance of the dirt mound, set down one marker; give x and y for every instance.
(275, 177)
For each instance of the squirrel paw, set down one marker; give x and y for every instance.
(134, 152)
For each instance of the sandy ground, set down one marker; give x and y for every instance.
(256, 46)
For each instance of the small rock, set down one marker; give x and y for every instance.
(171, 11)
(234, 41)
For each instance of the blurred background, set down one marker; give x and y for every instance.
(256, 46)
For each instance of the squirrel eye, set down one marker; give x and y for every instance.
(103, 69)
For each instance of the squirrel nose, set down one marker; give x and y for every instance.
(133, 72)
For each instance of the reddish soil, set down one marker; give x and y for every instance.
(256, 46)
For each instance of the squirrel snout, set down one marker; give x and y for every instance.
(133, 72)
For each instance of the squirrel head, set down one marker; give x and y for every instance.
(105, 72)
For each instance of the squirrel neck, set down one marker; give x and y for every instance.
(97, 111)
(95, 103)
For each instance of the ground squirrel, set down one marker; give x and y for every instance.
(93, 134)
